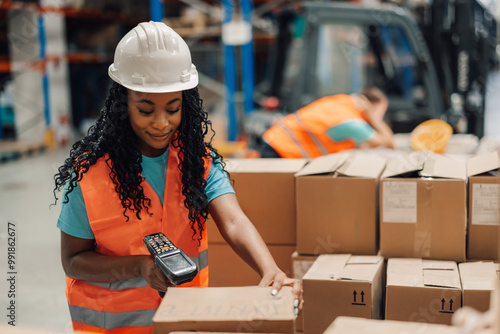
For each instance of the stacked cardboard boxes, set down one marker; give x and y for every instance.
(423, 207)
(422, 290)
(411, 209)
(265, 189)
(337, 204)
(484, 199)
(342, 285)
(478, 282)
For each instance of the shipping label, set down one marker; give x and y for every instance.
(399, 202)
(485, 202)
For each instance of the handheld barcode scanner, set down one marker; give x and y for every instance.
(171, 261)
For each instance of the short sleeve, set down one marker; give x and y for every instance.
(218, 183)
(73, 219)
(357, 130)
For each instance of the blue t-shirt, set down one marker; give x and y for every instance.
(74, 220)
(355, 129)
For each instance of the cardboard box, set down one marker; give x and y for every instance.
(348, 325)
(301, 264)
(422, 290)
(337, 204)
(484, 199)
(342, 285)
(423, 207)
(231, 309)
(478, 282)
(228, 269)
(265, 189)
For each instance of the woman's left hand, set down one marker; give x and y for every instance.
(279, 279)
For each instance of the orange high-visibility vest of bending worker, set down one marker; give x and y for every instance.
(128, 306)
(303, 134)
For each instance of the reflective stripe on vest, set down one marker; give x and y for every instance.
(312, 135)
(111, 320)
(84, 328)
(128, 304)
(201, 262)
(292, 137)
(303, 134)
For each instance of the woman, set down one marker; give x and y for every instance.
(144, 168)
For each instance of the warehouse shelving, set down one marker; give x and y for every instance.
(205, 46)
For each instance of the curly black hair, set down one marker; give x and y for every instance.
(112, 134)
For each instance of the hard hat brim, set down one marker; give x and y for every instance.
(155, 87)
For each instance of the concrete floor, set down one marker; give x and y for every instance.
(26, 197)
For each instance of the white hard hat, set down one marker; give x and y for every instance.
(153, 58)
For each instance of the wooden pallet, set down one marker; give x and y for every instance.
(13, 150)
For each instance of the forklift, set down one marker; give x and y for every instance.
(432, 60)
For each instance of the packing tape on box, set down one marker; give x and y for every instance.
(423, 227)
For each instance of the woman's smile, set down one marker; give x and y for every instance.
(160, 137)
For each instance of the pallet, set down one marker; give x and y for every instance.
(13, 150)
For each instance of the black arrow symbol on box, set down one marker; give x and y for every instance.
(354, 293)
(362, 296)
(442, 303)
(451, 304)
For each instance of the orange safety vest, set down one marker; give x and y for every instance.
(303, 134)
(128, 306)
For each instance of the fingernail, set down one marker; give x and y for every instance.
(296, 311)
(296, 303)
(274, 292)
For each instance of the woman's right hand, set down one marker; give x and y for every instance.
(153, 276)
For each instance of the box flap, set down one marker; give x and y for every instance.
(405, 272)
(362, 269)
(439, 265)
(327, 267)
(478, 275)
(264, 165)
(196, 304)
(344, 267)
(363, 165)
(441, 278)
(324, 164)
(440, 166)
(406, 163)
(418, 272)
(483, 163)
(405, 266)
(440, 274)
(365, 259)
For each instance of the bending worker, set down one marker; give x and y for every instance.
(329, 125)
(143, 168)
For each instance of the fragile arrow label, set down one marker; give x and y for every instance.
(362, 294)
(443, 303)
